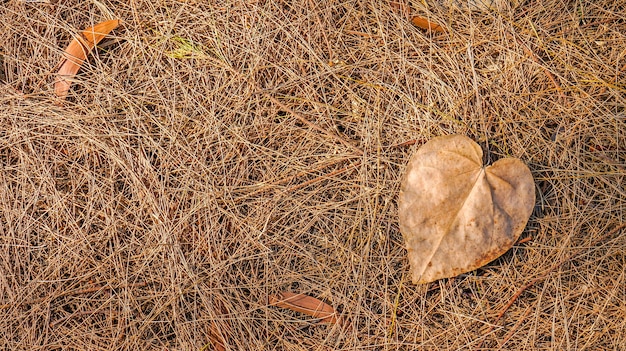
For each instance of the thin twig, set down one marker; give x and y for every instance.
(534, 57)
(511, 332)
(75, 314)
(73, 293)
(361, 34)
(295, 176)
(322, 177)
(312, 125)
(404, 144)
(544, 276)
(298, 116)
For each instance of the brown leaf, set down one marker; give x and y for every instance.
(305, 304)
(456, 215)
(423, 23)
(216, 338)
(218, 332)
(76, 53)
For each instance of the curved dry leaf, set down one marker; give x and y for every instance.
(76, 53)
(423, 23)
(305, 304)
(456, 215)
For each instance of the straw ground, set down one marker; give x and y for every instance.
(213, 153)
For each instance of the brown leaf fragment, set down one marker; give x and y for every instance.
(305, 304)
(218, 330)
(216, 338)
(423, 23)
(76, 53)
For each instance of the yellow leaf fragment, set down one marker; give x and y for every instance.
(457, 215)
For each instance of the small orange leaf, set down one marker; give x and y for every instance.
(76, 53)
(423, 23)
(305, 304)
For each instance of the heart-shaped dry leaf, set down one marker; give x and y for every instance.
(455, 214)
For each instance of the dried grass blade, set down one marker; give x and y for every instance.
(305, 304)
(401, 7)
(76, 53)
(545, 275)
(423, 23)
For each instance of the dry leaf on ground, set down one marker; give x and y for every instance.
(216, 338)
(76, 53)
(423, 23)
(455, 214)
(305, 304)
(417, 21)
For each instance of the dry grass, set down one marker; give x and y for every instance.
(211, 155)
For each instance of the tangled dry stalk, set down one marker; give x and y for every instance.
(212, 154)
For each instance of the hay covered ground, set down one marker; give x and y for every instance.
(211, 154)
